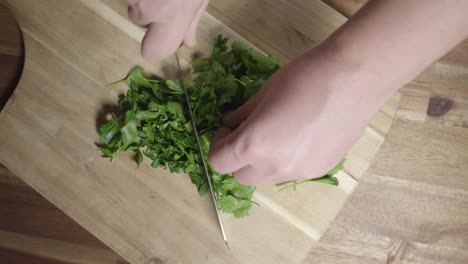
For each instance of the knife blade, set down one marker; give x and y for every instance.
(200, 150)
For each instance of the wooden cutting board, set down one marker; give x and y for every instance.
(74, 49)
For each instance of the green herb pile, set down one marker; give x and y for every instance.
(155, 122)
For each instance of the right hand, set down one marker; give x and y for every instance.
(170, 23)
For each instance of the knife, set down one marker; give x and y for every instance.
(200, 150)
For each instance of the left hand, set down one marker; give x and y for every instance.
(170, 23)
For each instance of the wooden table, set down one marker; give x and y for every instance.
(409, 208)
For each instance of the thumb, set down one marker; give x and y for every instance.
(223, 155)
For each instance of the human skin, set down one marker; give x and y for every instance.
(309, 113)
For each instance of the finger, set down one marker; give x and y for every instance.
(190, 39)
(143, 12)
(236, 117)
(223, 155)
(250, 175)
(162, 40)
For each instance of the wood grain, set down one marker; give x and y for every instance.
(57, 250)
(32, 229)
(396, 216)
(8, 256)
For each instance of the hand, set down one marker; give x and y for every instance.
(300, 124)
(171, 23)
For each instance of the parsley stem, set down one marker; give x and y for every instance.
(239, 81)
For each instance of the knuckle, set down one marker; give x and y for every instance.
(246, 147)
(135, 12)
(242, 149)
